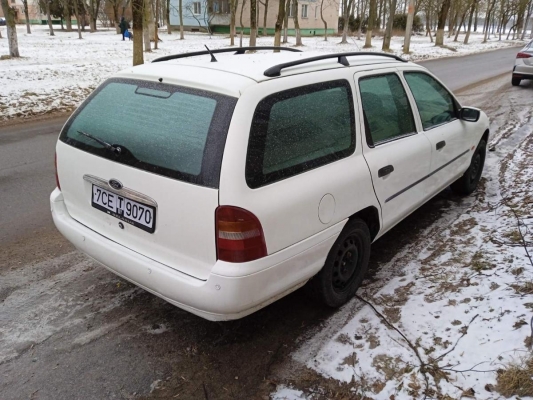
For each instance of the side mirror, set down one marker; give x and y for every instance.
(469, 114)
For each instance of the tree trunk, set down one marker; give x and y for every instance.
(476, 15)
(279, 23)
(49, 18)
(12, 41)
(233, 6)
(443, 14)
(472, 11)
(288, 5)
(27, 16)
(388, 30)
(458, 31)
(169, 29)
(242, 24)
(146, 26)
(68, 16)
(115, 17)
(156, 30)
(371, 22)
(137, 7)
(323, 20)
(346, 7)
(409, 27)
(265, 32)
(297, 25)
(253, 22)
(78, 20)
(182, 35)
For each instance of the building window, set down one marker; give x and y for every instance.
(316, 12)
(197, 7)
(292, 10)
(304, 10)
(13, 1)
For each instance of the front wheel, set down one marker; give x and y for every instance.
(466, 184)
(345, 266)
(515, 81)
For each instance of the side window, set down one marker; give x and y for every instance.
(434, 102)
(300, 129)
(386, 108)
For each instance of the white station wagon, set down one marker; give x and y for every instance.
(223, 181)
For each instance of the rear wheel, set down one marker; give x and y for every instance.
(515, 81)
(468, 182)
(345, 265)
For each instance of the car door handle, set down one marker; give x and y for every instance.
(385, 171)
(440, 145)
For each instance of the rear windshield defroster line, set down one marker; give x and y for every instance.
(164, 129)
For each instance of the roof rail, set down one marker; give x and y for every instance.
(341, 59)
(238, 50)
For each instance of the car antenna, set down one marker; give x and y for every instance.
(213, 59)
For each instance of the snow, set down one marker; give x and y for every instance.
(460, 296)
(57, 72)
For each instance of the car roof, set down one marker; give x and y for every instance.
(231, 74)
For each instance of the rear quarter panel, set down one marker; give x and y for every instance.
(289, 209)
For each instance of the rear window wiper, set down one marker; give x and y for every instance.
(108, 146)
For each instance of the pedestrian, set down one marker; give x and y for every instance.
(124, 26)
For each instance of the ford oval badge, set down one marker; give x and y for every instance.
(115, 184)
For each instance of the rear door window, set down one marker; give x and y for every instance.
(388, 115)
(300, 129)
(164, 129)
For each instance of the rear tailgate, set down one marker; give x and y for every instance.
(163, 193)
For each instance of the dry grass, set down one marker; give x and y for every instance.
(524, 288)
(517, 378)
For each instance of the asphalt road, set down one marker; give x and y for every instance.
(27, 150)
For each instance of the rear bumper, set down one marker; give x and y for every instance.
(523, 71)
(231, 291)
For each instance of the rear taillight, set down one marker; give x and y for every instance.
(524, 55)
(57, 177)
(240, 236)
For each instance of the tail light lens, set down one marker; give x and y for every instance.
(57, 177)
(240, 235)
(524, 55)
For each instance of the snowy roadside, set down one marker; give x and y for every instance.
(56, 73)
(452, 309)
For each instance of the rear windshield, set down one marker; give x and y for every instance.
(164, 129)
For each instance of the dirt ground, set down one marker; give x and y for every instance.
(70, 329)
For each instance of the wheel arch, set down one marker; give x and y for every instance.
(485, 136)
(370, 216)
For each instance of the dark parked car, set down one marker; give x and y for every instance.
(2, 21)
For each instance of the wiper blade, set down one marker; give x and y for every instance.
(108, 146)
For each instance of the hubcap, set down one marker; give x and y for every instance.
(345, 264)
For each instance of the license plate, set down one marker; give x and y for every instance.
(132, 212)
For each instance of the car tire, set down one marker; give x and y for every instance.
(515, 81)
(467, 183)
(345, 266)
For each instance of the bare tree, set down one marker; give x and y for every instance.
(265, 18)
(156, 32)
(388, 31)
(253, 22)
(371, 23)
(346, 7)
(470, 17)
(182, 34)
(147, 17)
(409, 27)
(205, 16)
(297, 25)
(288, 9)
(279, 23)
(93, 8)
(242, 24)
(324, 20)
(529, 12)
(78, 18)
(26, 15)
(167, 13)
(137, 7)
(12, 41)
(443, 14)
(233, 4)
